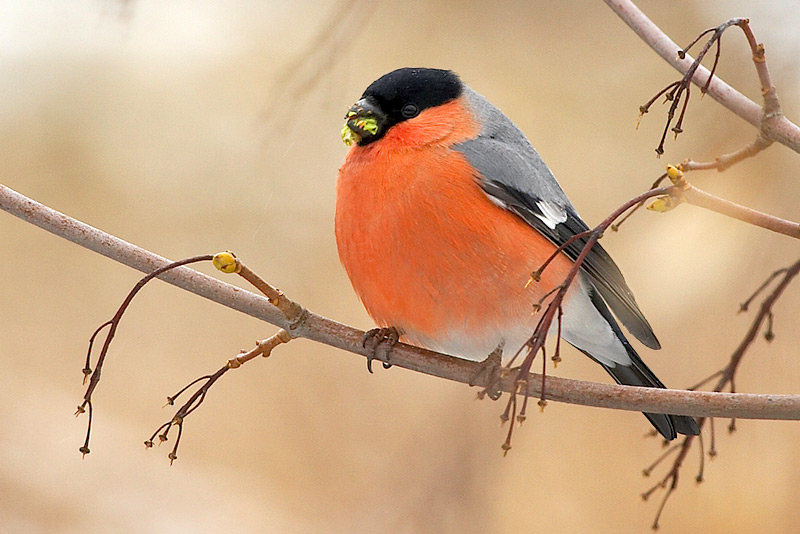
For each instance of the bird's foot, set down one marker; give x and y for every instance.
(374, 338)
(490, 372)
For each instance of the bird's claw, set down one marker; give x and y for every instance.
(492, 369)
(372, 340)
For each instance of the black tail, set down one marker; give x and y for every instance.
(638, 374)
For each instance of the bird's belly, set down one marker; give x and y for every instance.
(429, 253)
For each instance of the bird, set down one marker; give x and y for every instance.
(444, 208)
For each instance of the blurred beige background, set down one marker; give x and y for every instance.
(147, 119)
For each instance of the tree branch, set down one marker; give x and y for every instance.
(329, 332)
(686, 192)
(708, 201)
(778, 127)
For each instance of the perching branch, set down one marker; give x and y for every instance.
(670, 197)
(329, 332)
(772, 125)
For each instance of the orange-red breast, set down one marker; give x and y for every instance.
(444, 208)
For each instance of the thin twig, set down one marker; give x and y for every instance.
(744, 306)
(227, 262)
(319, 58)
(697, 197)
(615, 227)
(779, 128)
(726, 160)
(262, 348)
(538, 338)
(113, 324)
(726, 380)
(771, 108)
(700, 198)
(681, 89)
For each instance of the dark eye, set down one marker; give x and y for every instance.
(410, 111)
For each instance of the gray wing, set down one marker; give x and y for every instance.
(515, 177)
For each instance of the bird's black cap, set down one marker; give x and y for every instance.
(404, 93)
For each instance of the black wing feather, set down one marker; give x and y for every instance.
(602, 270)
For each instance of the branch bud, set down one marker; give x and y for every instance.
(227, 262)
(666, 203)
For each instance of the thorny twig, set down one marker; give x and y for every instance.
(726, 380)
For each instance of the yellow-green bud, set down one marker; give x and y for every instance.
(226, 262)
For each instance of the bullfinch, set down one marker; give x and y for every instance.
(444, 208)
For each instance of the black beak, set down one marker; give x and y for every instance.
(367, 120)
